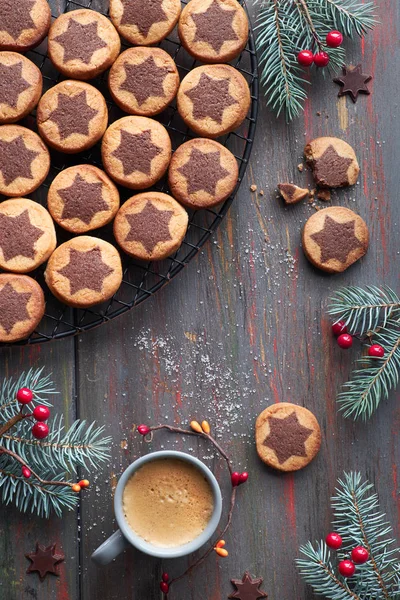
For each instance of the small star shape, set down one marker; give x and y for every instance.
(336, 240)
(16, 19)
(136, 151)
(45, 560)
(149, 227)
(82, 200)
(203, 171)
(13, 84)
(248, 588)
(143, 16)
(334, 165)
(210, 97)
(16, 160)
(353, 82)
(145, 80)
(18, 236)
(207, 22)
(64, 115)
(287, 437)
(85, 270)
(80, 41)
(13, 307)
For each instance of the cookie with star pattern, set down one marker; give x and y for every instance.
(83, 43)
(72, 116)
(21, 85)
(143, 81)
(82, 198)
(288, 436)
(24, 161)
(21, 306)
(84, 271)
(136, 152)
(334, 238)
(150, 226)
(202, 173)
(333, 162)
(213, 31)
(145, 23)
(213, 100)
(23, 24)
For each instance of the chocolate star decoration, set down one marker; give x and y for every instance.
(82, 200)
(203, 171)
(136, 151)
(85, 270)
(143, 14)
(210, 98)
(248, 588)
(16, 17)
(13, 307)
(12, 84)
(214, 26)
(72, 115)
(336, 240)
(145, 80)
(45, 560)
(332, 167)
(16, 160)
(353, 82)
(18, 236)
(149, 227)
(287, 437)
(80, 41)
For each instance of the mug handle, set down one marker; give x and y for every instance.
(110, 549)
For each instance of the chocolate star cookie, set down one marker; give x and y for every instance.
(353, 82)
(23, 23)
(21, 306)
(20, 86)
(333, 162)
(44, 560)
(144, 23)
(248, 588)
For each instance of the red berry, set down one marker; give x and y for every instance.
(333, 540)
(345, 341)
(339, 328)
(334, 39)
(359, 555)
(165, 577)
(26, 472)
(143, 429)
(41, 413)
(235, 478)
(321, 59)
(346, 568)
(24, 396)
(376, 350)
(305, 58)
(243, 477)
(40, 431)
(164, 587)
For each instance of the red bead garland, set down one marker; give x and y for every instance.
(376, 351)
(305, 58)
(321, 59)
(339, 328)
(40, 430)
(346, 568)
(334, 39)
(24, 396)
(359, 555)
(333, 540)
(345, 341)
(41, 413)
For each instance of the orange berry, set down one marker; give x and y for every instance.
(220, 544)
(205, 426)
(76, 488)
(84, 483)
(221, 552)
(196, 426)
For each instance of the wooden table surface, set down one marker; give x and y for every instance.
(243, 326)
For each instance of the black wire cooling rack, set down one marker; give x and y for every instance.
(140, 280)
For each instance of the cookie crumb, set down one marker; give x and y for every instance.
(261, 193)
(300, 167)
(253, 188)
(292, 193)
(318, 113)
(324, 195)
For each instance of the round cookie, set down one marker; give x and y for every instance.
(150, 226)
(24, 161)
(145, 23)
(84, 271)
(213, 100)
(136, 151)
(288, 436)
(82, 198)
(213, 31)
(202, 173)
(333, 162)
(143, 81)
(83, 43)
(27, 235)
(72, 116)
(21, 306)
(334, 238)
(23, 23)
(20, 86)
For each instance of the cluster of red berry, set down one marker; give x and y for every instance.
(306, 58)
(359, 555)
(164, 587)
(345, 340)
(40, 413)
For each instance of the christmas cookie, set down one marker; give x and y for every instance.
(27, 235)
(213, 31)
(145, 23)
(82, 198)
(84, 271)
(150, 226)
(292, 193)
(334, 238)
(24, 161)
(21, 306)
(288, 436)
(136, 151)
(143, 81)
(20, 86)
(333, 162)
(23, 23)
(213, 100)
(83, 43)
(72, 116)
(202, 173)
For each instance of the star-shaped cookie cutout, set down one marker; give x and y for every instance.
(214, 19)
(12, 84)
(145, 80)
(16, 160)
(64, 116)
(149, 227)
(287, 437)
(210, 97)
(203, 171)
(353, 82)
(336, 240)
(80, 41)
(18, 236)
(13, 307)
(82, 200)
(248, 588)
(16, 18)
(136, 151)
(332, 167)
(45, 560)
(86, 270)
(143, 15)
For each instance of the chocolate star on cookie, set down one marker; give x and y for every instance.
(13, 307)
(203, 171)
(72, 115)
(12, 84)
(143, 15)
(336, 240)
(210, 97)
(136, 151)
(16, 17)
(82, 200)
(287, 437)
(137, 80)
(80, 41)
(149, 227)
(248, 588)
(16, 160)
(85, 270)
(18, 236)
(45, 560)
(214, 26)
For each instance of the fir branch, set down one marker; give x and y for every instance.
(349, 16)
